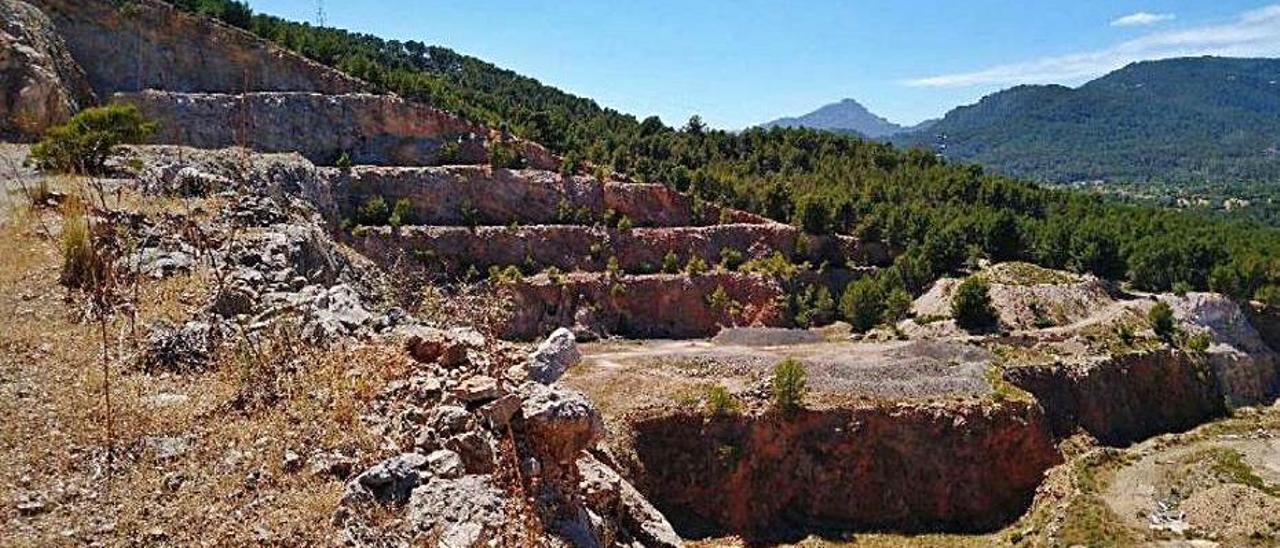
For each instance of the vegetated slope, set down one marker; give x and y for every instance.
(847, 116)
(943, 215)
(1176, 120)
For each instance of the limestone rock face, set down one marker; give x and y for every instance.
(40, 84)
(148, 44)
(366, 128)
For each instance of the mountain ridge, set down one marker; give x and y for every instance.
(1173, 120)
(845, 116)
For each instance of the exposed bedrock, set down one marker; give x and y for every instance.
(40, 84)
(455, 249)
(648, 306)
(478, 195)
(1125, 398)
(894, 466)
(367, 128)
(147, 44)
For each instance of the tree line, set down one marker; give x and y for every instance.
(943, 216)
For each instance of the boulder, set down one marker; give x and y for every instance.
(608, 494)
(554, 356)
(462, 512)
(172, 348)
(557, 422)
(391, 480)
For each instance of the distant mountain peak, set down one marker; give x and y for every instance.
(847, 115)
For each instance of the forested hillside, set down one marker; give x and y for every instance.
(944, 215)
(1185, 120)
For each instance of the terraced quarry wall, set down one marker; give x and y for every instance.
(146, 44)
(367, 128)
(640, 250)
(477, 195)
(1125, 398)
(902, 467)
(464, 219)
(648, 306)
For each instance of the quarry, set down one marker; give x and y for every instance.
(341, 320)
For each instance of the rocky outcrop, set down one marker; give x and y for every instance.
(474, 195)
(40, 84)
(1125, 398)
(1245, 366)
(148, 44)
(647, 306)
(368, 129)
(492, 461)
(641, 250)
(969, 467)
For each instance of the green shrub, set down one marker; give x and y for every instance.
(373, 212)
(721, 402)
(1181, 288)
(862, 304)
(504, 155)
(1199, 343)
(84, 143)
(789, 385)
(344, 161)
(613, 267)
(1161, 319)
(507, 275)
(776, 265)
(399, 213)
(897, 305)
(624, 223)
(730, 258)
(670, 263)
(719, 299)
(971, 305)
(696, 266)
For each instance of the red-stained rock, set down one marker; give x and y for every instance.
(902, 467)
(478, 195)
(648, 306)
(454, 249)
(1125, 398)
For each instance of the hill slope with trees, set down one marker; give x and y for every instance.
(941, 214)
(1172, 121)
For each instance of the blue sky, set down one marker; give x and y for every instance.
(742, 62)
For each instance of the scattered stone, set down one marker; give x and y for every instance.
(158, 263)
(292, 461)
(478, 388)
(178, 349)
(445, 464)
(554, 356)
(168, 447)
(391, 480)
(166, 399)
(333, 465)
(31, 507)
(477, 448)
(500, 411)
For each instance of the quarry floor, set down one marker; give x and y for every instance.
(627, 374)
(1215, 485)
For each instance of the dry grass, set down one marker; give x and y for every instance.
(228, 488)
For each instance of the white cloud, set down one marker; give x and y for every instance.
(1254, 33)
(1142, 19)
